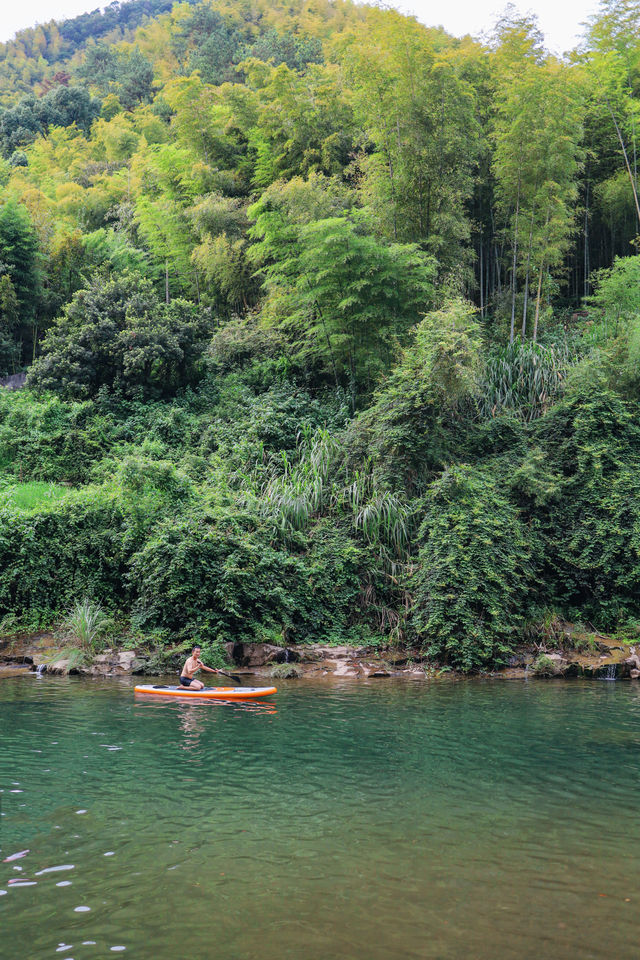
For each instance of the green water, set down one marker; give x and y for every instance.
(479, 821)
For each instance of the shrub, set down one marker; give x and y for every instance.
(213, 575)
(582, 496)
(470, 588)
(65, 548)
(411, 430)
(217, 574)
(544, 666)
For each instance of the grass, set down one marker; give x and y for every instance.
(88, 622)
(525, 377)
(585, 644)
(30, 496)
(544, 666)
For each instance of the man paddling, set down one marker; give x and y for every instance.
(191, 667)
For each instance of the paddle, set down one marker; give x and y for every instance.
(232, 676)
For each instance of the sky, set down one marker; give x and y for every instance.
(559, 19)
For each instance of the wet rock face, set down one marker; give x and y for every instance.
(260, 654)
(114, 663)
(316, 660)
(13, 669)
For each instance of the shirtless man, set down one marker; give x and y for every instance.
(193, 664)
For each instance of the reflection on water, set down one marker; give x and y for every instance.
(468, 820)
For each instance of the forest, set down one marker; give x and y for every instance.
(330, 324)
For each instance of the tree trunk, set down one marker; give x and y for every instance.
(526, 280)
(513, 268)
(586, 241)
(195, 273)
(481, 281)
(538, 295)
(626, 160)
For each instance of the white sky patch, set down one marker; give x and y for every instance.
(560, 22)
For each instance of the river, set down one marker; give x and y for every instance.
(371, 820)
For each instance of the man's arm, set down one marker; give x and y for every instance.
(208, 669)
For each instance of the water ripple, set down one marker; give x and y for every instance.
(448, 821)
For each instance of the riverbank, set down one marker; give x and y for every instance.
(580, 655)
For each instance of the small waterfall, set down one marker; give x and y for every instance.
(40, 669)
(610, 672)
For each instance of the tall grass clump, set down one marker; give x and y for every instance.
(383, 518)
(524, 377)
(89, 622)
(300, 489)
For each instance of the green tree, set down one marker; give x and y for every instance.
(537, 132)
(9, 316)
(208, 42)
(343, 297)
(411, 430)
(116, 333)
(612, 54)
(20, 259)
(418, 114)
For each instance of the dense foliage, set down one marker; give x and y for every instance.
(331, 325)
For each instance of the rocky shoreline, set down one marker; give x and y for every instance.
(607, 659)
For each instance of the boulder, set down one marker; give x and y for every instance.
(260, 654)
(59, 666)
(345, 670)
(13, 670)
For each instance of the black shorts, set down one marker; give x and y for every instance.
(186, 681)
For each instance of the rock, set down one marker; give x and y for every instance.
(334, 653)
(59, 666)
(285, 671)
(13, 670)
(633, 660)
(634, 674)
(306, 654)
(259, 654)
(345, 670)
(515, 661)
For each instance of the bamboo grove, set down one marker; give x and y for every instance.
(331, 324)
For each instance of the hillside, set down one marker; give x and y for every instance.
(331, 324)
